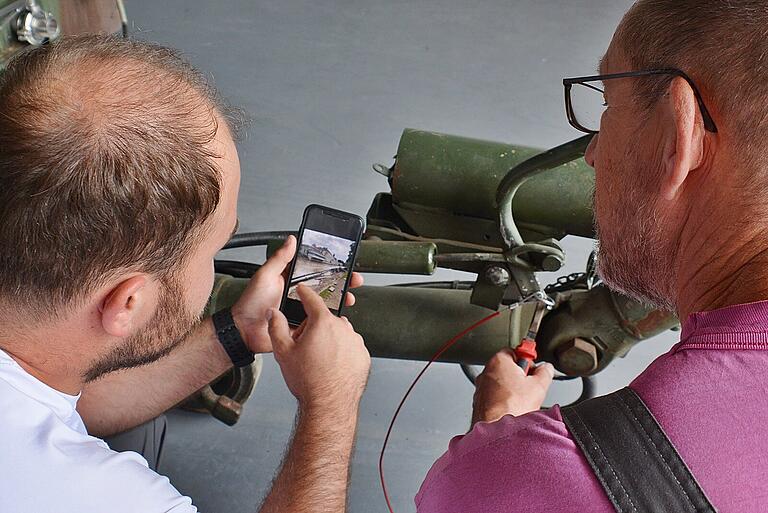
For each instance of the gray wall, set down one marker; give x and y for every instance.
(331, 85)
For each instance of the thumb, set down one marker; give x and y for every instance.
(279, 331)
(279, 261)
(543, 374)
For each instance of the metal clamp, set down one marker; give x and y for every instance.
(35, 26)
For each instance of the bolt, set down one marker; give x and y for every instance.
(577, 357)
(497, 275)
(227, 410)
(551, 263)
(221, 407)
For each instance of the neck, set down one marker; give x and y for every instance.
(720, 267)
(52, 355)
(62, 381)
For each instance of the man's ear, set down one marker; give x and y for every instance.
(124, 307)
(684, 147)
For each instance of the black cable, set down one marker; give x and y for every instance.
(469, 372)
(235, 269)
(588, 390)
(455, 285)
(244, 240)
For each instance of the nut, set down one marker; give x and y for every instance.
(577, 357)
(498, 276)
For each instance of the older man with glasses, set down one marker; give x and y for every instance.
(680, 122)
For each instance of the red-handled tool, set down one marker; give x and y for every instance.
(525, 353)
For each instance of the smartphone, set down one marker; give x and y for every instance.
(327, 245)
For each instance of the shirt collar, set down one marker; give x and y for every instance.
(749, 319)
(63, 405)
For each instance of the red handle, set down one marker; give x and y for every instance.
(525, 354)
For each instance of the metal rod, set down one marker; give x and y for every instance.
(519, 174)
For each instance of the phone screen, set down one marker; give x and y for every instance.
(327, 246)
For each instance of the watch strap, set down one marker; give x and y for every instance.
(231, 339)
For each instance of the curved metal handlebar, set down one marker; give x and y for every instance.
(519, 174)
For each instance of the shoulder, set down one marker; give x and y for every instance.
(126, 483)
(71, 472)
(498, 466)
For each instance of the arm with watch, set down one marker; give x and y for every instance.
(318, 459)
(124, 399)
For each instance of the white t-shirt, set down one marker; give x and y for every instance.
(49, 463)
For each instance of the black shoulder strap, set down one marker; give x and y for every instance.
(634, 460)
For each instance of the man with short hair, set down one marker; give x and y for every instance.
(118, 185)
(681, 174)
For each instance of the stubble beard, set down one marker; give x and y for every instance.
(634, 256)
(166, 331)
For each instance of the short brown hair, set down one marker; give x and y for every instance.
(104, 166)
(721, 44)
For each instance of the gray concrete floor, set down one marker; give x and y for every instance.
(330, 86)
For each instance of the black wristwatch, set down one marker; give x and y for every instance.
(231, 339)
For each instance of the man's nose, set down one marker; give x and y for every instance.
(589, 155)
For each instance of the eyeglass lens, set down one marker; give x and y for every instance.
(588, 104)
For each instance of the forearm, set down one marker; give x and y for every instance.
(315, 472)
(126, 398)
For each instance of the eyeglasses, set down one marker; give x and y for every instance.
(585, 101)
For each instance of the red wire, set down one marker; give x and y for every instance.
(442, 350)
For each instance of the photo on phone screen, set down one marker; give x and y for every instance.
(327, 245)
(323, 263)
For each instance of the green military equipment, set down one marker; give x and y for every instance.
(498, 211)
(392, 257)
(413, 321)
(492, 209)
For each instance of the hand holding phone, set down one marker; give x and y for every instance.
(325, 364)
(327, 246)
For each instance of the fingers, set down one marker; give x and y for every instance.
(543, 374)
(314, 306)
(356, 280)
(296, 332)
(281, 258)
(279, 331)
(506, 361)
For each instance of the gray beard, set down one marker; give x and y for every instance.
(633, 256)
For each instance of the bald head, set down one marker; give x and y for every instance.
(106, 164)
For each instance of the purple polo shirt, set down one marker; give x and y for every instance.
(709, 393)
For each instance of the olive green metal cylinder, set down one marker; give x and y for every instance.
(396, 257)
(389, 257)
(413, 323)
(461, 175)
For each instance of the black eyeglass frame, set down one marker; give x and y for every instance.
(709, 124)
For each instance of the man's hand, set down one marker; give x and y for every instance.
(324, 362)
(325, 365)
(264, 292)
(503, 389)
